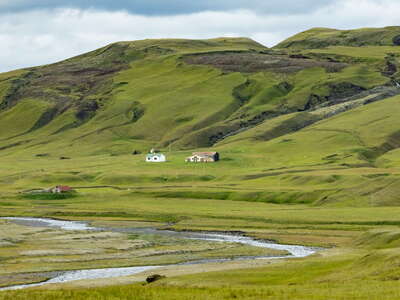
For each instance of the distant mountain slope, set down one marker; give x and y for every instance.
(325, 37)
(183, 94)
(299, 124)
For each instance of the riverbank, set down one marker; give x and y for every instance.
(340, 275)
(74, 226)
(363, 240)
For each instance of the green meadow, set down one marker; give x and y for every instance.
(308, 134)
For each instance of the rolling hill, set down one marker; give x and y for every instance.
(325, 37)
(312, 120)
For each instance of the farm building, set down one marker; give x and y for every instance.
(153, 156)
(203, 157)
(61, 189)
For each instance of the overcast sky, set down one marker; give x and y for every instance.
(35, 32)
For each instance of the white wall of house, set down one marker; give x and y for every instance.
(195, 158)
(156, 158)
(199, 158)
(56, 190)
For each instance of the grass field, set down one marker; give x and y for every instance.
(361, 262)
(308, 134)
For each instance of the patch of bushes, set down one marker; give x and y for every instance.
(194, 195)
(130, 179)
(46, 118)
(86, 109)
(184, 119)
(49, 196)
(396, 40)
(267, 197)
(250, 62)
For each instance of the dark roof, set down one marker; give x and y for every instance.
(205, 153)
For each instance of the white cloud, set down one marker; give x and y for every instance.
(38, 37)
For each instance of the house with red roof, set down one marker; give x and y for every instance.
(61, 189)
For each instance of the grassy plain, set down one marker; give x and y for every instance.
(236, 194)
(363, 240)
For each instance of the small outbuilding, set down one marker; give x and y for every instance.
(203, 157)
(154, 156)
(61, 189)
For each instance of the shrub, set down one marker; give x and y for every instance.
(50, 196)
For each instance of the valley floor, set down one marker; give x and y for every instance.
(362, 241)
(360, 262)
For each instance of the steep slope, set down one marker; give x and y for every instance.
(176, 93)
(189, 95)
(83, 92)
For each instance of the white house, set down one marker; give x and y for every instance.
(203, 157)
(155, 157)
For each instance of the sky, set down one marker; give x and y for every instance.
(36, 32)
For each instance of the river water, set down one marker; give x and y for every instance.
(67, 276)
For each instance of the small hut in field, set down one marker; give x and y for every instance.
(203, 157)
(59, 189)
(154, 156)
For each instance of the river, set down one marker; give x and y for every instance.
(67, 276)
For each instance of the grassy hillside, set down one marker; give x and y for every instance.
(313, 126)
(325, 37)
(309, 138)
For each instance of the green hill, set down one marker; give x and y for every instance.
(294, 124)
(325, 37)
(309, 139)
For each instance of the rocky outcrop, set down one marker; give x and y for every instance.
(154, 278)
